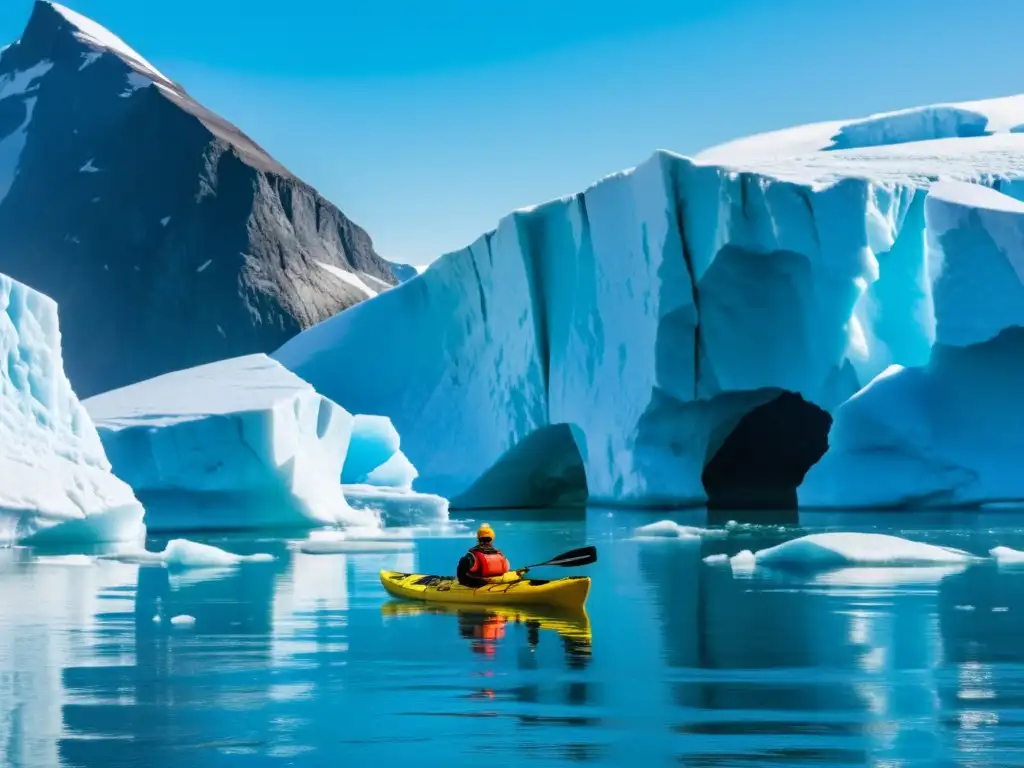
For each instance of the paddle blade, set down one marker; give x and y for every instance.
(572, 558)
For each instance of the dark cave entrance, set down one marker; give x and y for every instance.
(764, 458)
(545, 469)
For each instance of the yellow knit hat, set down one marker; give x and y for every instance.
(485, 532)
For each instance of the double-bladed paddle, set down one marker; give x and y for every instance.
(570, 559)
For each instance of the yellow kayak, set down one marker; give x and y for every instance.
(568, 593)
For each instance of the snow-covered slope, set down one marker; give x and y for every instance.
(52, 466)
(239, 444)
(165, 234)
(951, 432)
(917, 124)
(672, 332)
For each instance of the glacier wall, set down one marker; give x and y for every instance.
(53, 470)
(949, 432)
(626, 331)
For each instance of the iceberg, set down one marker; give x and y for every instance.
(684, 332)
(822, 551)
(56, 476)
(946, 433)
(237, 444)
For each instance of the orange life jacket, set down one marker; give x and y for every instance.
(488, 565)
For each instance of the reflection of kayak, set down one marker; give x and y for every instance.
(573, 625)
(568, 593)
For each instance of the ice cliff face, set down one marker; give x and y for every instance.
(950, 432)
(53, 470)
(167, 236)
(237, 444)
(675, 333)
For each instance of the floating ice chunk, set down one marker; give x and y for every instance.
(836, 550)
(717, 559)
(182, 553)
(397, 472)
(374, 441)
(887, 576)
(53, 471)
(241, 443)
(743, 562)
(1007, 556)
(89, 167)
(183, 620)
(671, 529)
(396, 507)
(165, 221)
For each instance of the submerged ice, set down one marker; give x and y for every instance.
(55, 474)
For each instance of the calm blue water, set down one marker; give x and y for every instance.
(305, 661)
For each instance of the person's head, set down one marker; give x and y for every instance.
(485, 535)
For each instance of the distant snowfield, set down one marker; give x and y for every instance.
(348, 277)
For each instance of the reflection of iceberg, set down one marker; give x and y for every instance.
(34, 653)
(886, 577)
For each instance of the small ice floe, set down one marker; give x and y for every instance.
(183, 620)
(182, 553)
(717, 560)
(1007, 556)
(668, 529)
(838, 550)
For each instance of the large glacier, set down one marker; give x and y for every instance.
(950, 432)
(54, 474)
(676, 334)
(237, 444)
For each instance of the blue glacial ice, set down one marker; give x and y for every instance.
(55, 475)
(374, 441)
(950, 432)
(237, 444)
(614, 339)
(379, 477)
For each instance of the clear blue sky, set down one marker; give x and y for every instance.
(426, 121)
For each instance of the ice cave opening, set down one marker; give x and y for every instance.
(763, 459)
(545, 469)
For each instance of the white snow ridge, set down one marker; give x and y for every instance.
(92, 34)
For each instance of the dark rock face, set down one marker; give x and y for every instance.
(167, 237)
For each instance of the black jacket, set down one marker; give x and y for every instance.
(462, 573)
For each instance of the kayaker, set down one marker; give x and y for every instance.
(483, 562)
